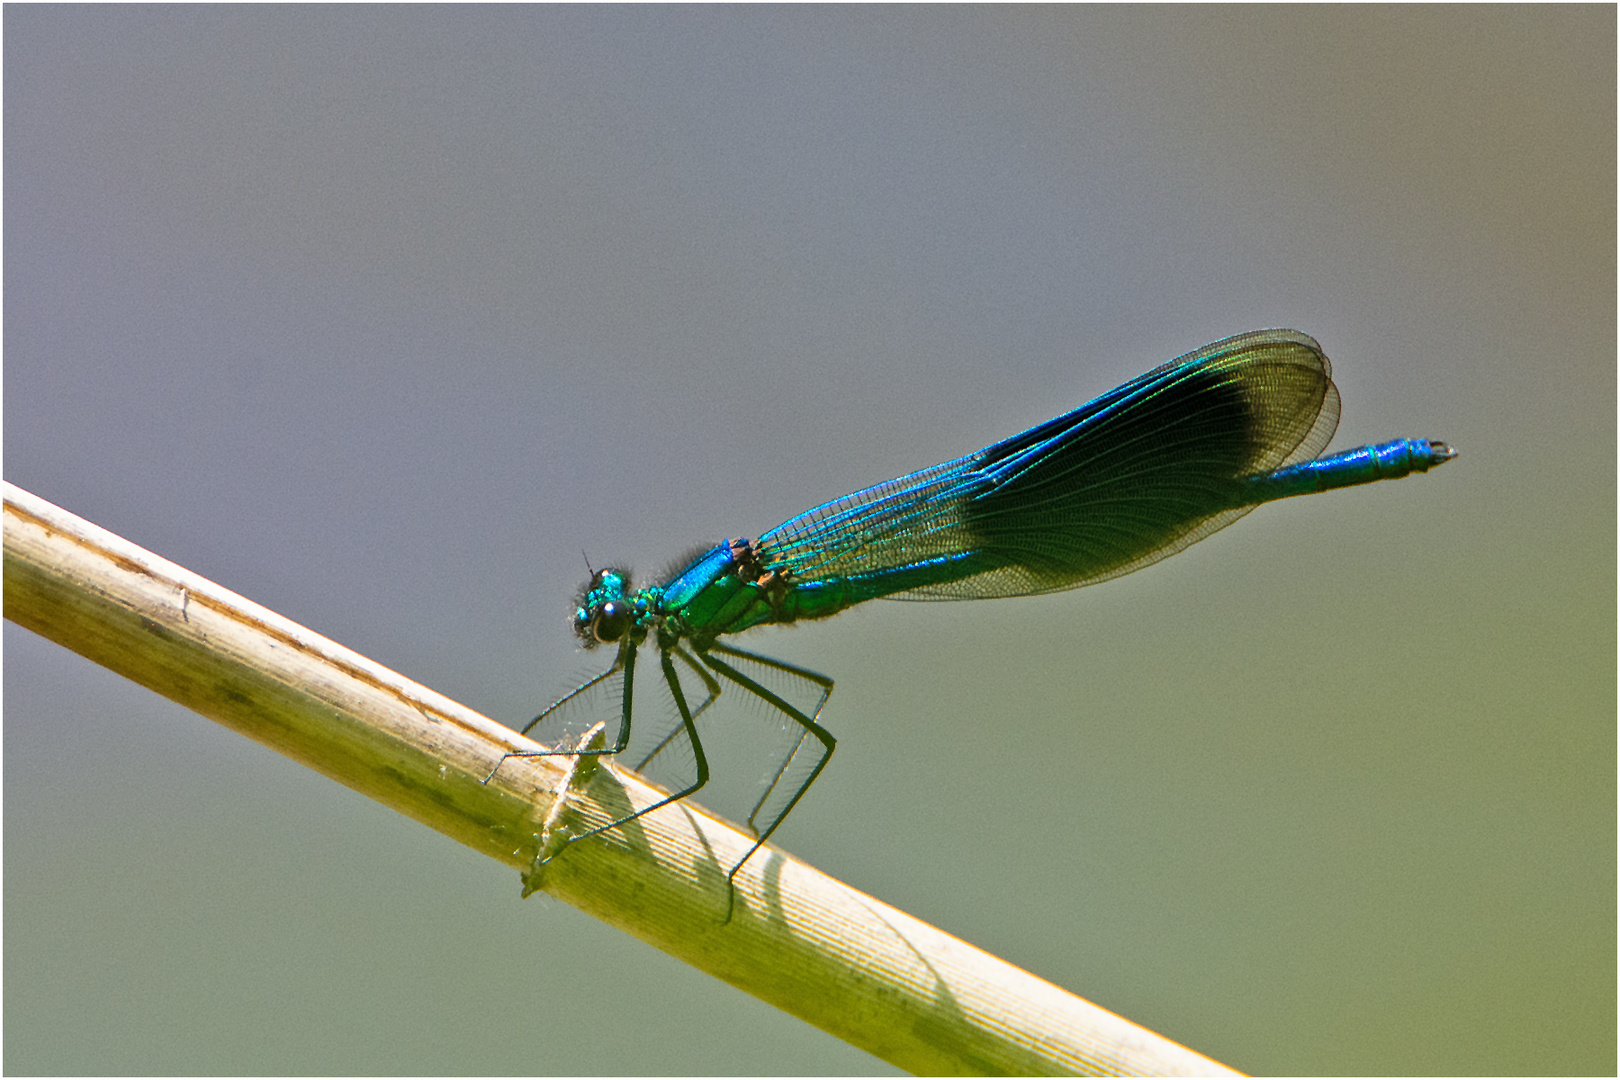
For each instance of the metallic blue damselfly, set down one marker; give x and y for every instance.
(1123, 481)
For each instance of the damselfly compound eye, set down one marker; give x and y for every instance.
(612, 621)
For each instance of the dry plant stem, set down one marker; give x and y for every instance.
(869, 974)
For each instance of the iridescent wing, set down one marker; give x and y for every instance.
(1121, 482)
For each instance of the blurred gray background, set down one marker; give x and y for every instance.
(382, 316)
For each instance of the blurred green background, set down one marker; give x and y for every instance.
(381, 316)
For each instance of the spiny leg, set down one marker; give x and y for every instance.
(713, 692)
(697, 751)
(806, 674)
(626, 662)
(809, 724)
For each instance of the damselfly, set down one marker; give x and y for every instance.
(1123, 481)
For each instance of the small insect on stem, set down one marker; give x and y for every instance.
(553, 836)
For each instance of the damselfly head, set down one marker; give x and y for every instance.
(605, 612)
